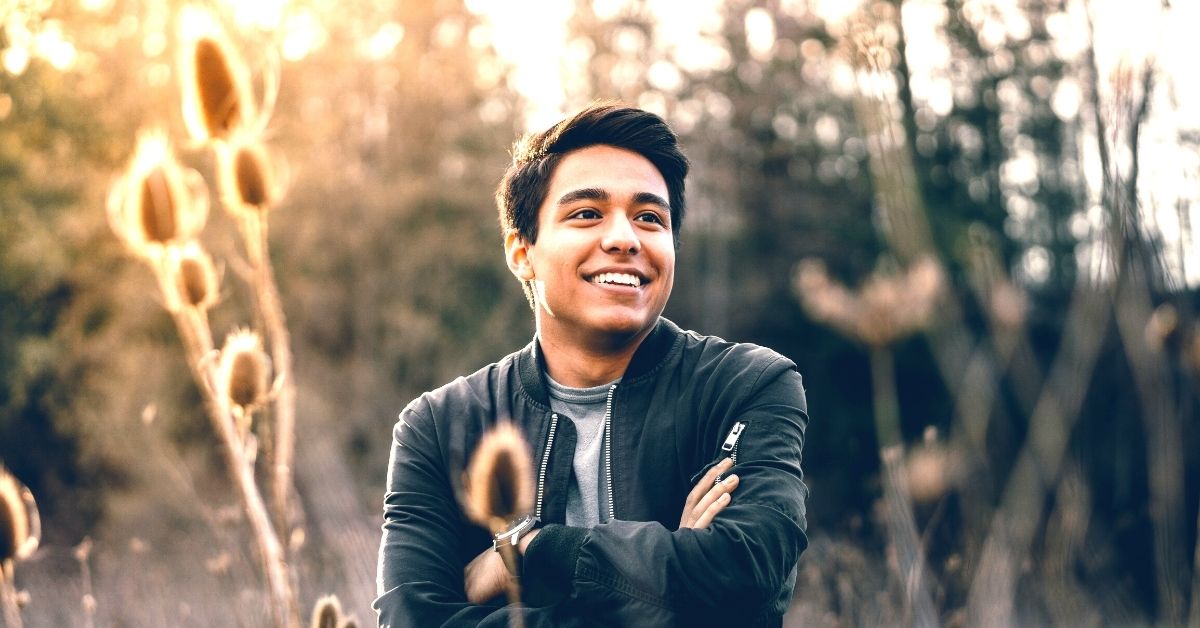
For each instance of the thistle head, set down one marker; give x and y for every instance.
(889, 306)
(932, 469)
(217, 99)
(156, 202)
(193, 278)
(499, 478)
(327, 613)
(20, 525)
(242, 373)
(247, 177)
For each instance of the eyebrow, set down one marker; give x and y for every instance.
(598, 194)
(583, 194)
(649, 198)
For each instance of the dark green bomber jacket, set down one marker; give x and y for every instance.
(686, 401)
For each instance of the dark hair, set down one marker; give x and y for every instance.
(535, 156)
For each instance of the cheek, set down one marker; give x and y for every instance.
(666, 259)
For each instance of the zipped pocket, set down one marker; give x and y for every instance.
(731, 441)
(729, 449)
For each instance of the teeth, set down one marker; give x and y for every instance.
(623, 279)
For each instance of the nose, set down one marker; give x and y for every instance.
(619, 235)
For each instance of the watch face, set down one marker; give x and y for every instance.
(517, 527)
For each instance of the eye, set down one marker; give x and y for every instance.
(651, 217)
(586, 214)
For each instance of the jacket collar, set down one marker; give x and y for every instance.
(531, 362)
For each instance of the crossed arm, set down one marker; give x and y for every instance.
(485, 576)
(729, 559)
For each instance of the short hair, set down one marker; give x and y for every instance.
(536, 156)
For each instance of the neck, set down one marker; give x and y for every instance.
(586, 364)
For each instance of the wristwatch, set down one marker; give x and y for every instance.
(512, 538)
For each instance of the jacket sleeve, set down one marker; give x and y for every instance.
(422, 552)
(741, 568)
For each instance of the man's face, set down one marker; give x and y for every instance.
(604, 261)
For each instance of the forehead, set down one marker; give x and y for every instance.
(615, 170)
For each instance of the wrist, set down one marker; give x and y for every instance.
(526, 539)
(511, 543)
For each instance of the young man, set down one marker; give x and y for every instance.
(632, 423)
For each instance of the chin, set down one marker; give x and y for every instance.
(625, 326)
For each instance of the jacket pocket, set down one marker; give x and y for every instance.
(728, 449)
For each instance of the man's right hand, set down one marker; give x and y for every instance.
(708, 497)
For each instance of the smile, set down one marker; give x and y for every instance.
(618, 279)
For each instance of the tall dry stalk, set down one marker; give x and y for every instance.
(1137, 268)
(965, 361)
(87, 601)
(221, 113)
(250, 187)
(499, 490)
(158, 208)
(973, 370)
(234, 384)
(883, 311)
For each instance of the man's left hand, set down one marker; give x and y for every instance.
(485, 576)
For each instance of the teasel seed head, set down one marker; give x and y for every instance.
(886, 308)
(217, 98)
(499, 478)
(242, 373)
(327, 613)
(20, 524)
(247, 176)
(193, 277)
(1163, 327)
(156, 202)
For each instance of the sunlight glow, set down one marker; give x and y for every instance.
(264, 14)
(760, 34)
(383, 42)
(303, 33)
(16, 59)
(532, 40)
(95, 6)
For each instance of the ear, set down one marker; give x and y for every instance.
(516, 253)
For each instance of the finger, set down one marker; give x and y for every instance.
(702, 487)
(714, 495)
(726, 485)
(711, 512)
(706, 482)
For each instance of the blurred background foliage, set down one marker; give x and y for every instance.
(395, 118)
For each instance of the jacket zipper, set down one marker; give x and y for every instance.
(541, 486)
(732, 441)
(612, 511)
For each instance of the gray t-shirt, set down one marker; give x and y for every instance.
(587, 490)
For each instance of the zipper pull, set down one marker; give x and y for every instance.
(734, 434)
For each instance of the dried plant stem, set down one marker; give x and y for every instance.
(283, 606)
(902, 528)
(275, 323)
(1013, 526)
(88, 599)
(8, 596)
(516, 619)
(1137, 267)
(1164, 443)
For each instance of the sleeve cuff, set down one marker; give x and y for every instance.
(548, 575)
